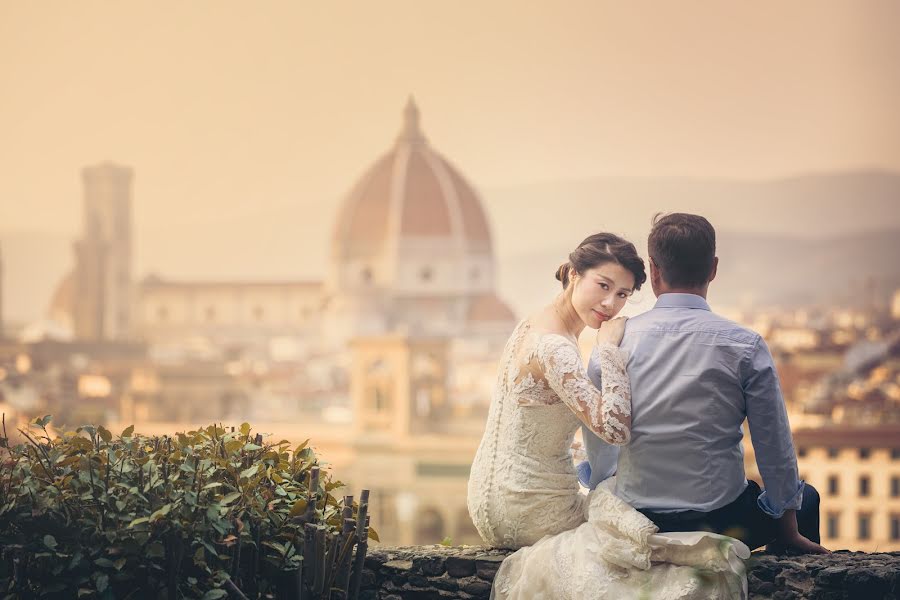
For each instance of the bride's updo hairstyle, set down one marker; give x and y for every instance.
(599, 249)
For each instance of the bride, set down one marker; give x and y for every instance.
(523, 493)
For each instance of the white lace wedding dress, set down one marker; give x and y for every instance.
(523, 492)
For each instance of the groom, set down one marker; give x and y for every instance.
(695, 377)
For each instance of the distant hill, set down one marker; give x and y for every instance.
(770, 234)
(755, 270)
(560, 214)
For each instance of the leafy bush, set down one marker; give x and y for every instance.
(201, 514)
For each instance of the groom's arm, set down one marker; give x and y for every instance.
(770, 433)
(602, 457)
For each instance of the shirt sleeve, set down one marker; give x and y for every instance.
(770, 433)
(606, 411)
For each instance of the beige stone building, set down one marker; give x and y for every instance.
(857, 474)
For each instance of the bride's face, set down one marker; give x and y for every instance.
(600, 292)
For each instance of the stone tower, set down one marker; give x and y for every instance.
(398, 384)
(103, 297)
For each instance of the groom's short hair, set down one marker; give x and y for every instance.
(683, 246)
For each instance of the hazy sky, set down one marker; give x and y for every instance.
(224, 108)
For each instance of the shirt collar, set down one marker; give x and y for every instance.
(673, 300)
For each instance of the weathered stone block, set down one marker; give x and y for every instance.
(477, 587)
(486, 566)
(460, 566)
(448, 582)
(432, 565)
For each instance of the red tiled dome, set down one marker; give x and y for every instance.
(411, 191)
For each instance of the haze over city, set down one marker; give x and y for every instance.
(255, 121)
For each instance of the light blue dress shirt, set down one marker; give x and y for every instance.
(695, 377)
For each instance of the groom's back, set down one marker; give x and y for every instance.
(685, 365)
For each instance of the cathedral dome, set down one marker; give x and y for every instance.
(412, 248)
(413, 193)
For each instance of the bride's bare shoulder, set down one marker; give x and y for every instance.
(545, 321)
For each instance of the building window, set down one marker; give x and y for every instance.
(865, 522)
(834, 525)
(380, 400)
(895, 527)
(833, 453)
(366, 275)
(895, 453)
(895, 487)
(833, 487)
(801, 452)
(258, 313)
(474, 274)
(210, 313)
(864, 453)
(864, 486)
(426, 274)
(162, 313)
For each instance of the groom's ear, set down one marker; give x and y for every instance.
(654, 274)
(715, 268)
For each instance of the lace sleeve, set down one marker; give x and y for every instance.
(607, 411)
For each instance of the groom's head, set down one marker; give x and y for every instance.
(682, 251)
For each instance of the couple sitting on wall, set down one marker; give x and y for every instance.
(670, 513)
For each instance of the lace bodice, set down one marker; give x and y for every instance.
(522, 484)
(546, 368)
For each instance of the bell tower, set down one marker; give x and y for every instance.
(103, 256)
(398, 384)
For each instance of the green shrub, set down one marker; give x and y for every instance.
(200, 514)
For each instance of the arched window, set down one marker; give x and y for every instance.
(429, 527)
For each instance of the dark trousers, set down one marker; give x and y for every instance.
(743, 519)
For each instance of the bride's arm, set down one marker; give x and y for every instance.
(605, 411)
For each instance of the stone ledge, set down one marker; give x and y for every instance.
(438, 572)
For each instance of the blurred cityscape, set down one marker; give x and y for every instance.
(388, 363)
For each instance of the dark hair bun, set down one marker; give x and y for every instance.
(599, 249)
(562, 273)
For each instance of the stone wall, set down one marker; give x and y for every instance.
(434, 572)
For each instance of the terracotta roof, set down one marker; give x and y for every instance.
(488, 307)
(63, 300)
(429, 197)
(875, 436)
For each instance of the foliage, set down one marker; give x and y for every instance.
(195, 515)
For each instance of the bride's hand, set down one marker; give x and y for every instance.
(611, 332)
